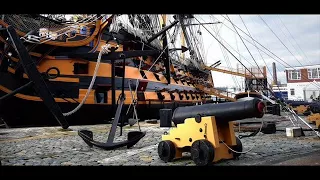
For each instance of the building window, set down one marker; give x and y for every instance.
(294, 75)
(314, 73)
(292, 92)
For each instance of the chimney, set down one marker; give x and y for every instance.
(275, 79)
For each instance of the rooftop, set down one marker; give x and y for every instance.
(303, 67)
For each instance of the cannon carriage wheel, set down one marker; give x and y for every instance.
(202, 152)
(166, 150)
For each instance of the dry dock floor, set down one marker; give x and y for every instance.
(52, 146)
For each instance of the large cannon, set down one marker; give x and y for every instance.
(222, 112)
(300, 107)
(297, 103)
(207, 131)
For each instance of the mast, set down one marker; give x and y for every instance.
(183, 43)
(166, 54)
(184, 31)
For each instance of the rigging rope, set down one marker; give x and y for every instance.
(294, 39)
(134, 95)
(245, 45)
(266, 63)
(318, 134)
(225, 55)
(134, 102)
(104, 50)
(266, 49)
(238, 53)
(247, 60)
(228, 62)
(137, 81)
(217, 33)
(235, 51)
(250, 53)
(243, 152)
(239, 56)
(285, 46)
(231, 53)
(156, 60)
(256, 47)
(280, 40)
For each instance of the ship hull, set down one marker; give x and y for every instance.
(17, 112)
(62, 69)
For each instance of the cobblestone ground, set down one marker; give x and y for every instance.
(55, 147)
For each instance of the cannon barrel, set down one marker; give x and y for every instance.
(229, 111)
(315, 107)
(297, 103)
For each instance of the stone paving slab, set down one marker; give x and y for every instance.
(56, 147)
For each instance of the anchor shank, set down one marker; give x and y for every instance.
(115, 122)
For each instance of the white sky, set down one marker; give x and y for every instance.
(305, 30)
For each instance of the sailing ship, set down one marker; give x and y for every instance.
(82, 68)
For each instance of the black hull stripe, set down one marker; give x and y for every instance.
(71, 89)
(20, 113)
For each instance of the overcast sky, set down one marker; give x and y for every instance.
(299, 33)
(305, 30)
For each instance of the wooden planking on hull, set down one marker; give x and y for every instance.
(33, 113)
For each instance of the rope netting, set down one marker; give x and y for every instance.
(41, 29)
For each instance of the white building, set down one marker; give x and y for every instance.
(303, 82)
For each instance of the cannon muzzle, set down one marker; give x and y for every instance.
(229, 111)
